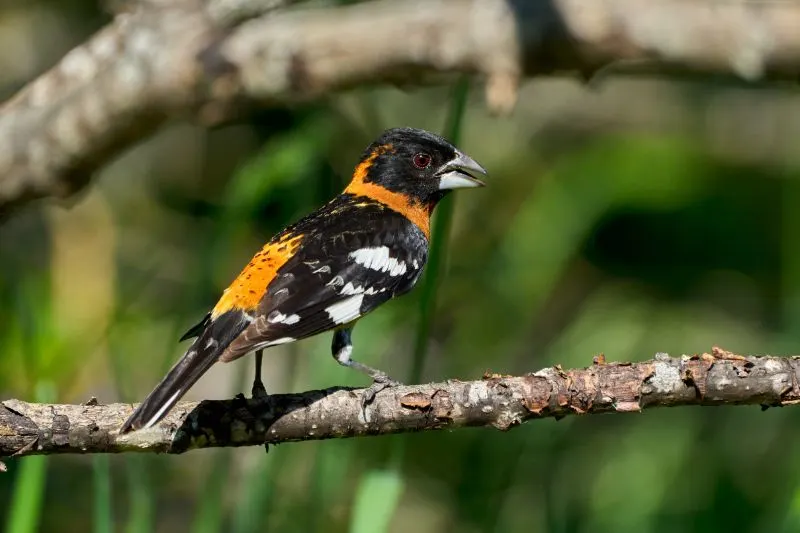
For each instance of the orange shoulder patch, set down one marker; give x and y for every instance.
(416, 212)
(250, 285)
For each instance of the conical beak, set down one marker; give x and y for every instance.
(460, 172)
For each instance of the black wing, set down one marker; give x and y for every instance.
(338, 276)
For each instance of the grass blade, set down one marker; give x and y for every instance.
(26, 502)
(140, 516)
(250, 513)
(211, 510)
(376, 500)
(28, 494)
(101, 469)
(441, 233)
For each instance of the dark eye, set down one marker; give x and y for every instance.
(422, 160)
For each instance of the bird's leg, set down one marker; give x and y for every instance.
(259, 392)
(342, 350)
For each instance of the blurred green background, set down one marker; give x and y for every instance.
(635, 217)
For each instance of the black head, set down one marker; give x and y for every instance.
(418, 164)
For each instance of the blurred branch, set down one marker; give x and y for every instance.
(719, 378)
(214, 59)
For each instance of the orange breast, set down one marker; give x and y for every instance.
(416, 212)
(249, 287)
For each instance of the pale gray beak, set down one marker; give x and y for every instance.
(460, 172)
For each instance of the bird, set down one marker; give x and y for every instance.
(322, 273)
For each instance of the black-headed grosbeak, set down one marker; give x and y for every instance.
(327, 270)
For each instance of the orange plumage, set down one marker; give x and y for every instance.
(250, 285)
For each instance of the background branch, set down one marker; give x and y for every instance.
(213, 59)
(718, 378)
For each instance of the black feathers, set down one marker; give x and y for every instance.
(203, 353)
(197, 329)
(394, 168)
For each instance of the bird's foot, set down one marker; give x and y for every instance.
(380, 382)
(259, 392)
(260, 396)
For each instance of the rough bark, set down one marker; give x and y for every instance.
(213, 59)
(502, 402)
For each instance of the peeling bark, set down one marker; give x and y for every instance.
(502, 402)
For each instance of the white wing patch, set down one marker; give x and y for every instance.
(280, 318)
(351, 289)
(347, 310)
(291, 319)
(377, 258)
(374, 258)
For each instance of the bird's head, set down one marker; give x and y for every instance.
(417, 164)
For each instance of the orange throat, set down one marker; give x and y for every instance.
(416, 212)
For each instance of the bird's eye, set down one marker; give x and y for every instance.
(422, 160)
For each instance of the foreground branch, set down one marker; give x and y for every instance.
(719, 378)
(212, 59)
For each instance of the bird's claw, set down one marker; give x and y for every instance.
(379, 383)
(259, 392)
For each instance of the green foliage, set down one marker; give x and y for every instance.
(376, 500)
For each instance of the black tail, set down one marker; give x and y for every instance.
(204, 352)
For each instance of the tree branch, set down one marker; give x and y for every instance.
(213, 59)
(719, 378)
